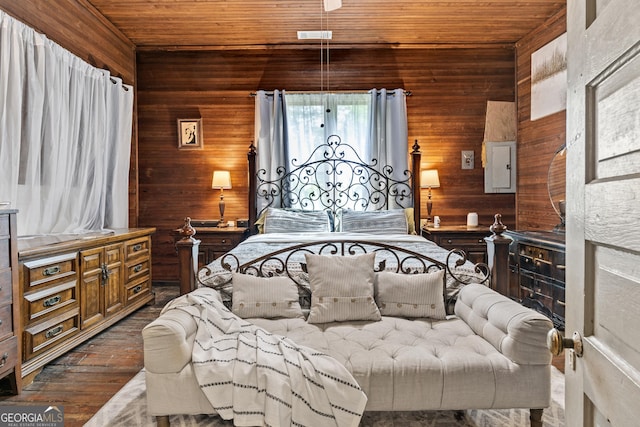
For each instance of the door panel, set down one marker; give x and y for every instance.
(603, 240)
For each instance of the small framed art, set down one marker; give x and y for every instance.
(190, 134)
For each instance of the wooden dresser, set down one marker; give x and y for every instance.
(537, 272)
(71, 290)
(9, 300)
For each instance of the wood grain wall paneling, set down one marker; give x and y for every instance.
(537, 140)
(450, 89)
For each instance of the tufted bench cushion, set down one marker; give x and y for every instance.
(492, 354)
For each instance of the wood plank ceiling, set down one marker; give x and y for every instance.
(243, 24)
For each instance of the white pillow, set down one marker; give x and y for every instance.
(411, 295)
(295, 221)
(374, 222)
(341, 288)
(265, 297)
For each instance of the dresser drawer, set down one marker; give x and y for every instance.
(46, 335)
(137, 248)
(6, 321)
(5, 253)
(137, 289)
(50, 301)
(4, 225)
(137, 270)
(47, 271)
(6, 291)
(8, 355)
(451, 242)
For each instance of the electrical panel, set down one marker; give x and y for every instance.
(500, 167)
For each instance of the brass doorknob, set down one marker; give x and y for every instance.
(556, 343)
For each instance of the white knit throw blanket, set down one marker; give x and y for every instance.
(261, 379)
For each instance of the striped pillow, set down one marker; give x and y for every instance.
(265, 297)
(295, 221)
(341, 288)
(411, 295)
(375, 222)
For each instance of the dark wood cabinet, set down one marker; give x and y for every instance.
(215, 242)
(537, 265)
(469, 239)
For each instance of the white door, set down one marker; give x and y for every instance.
(603, 212)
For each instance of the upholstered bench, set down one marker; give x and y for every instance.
(491, 354)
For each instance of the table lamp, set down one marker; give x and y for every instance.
(429, 179)
(222, 181)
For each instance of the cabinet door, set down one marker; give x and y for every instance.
(91, 301)
(101, 290)
(113, 283)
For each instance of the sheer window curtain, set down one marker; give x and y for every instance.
(290, 125)
(66, 136)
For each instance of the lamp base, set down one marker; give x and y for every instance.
(222, 223)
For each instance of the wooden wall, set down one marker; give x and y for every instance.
(82, 30)
(537, 140)
(446, 113)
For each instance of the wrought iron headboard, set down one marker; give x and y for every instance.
(319, 182)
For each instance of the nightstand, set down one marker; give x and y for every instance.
(216, 241)
(469, 239)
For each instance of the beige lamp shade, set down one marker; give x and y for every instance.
(429, 179)
(221, 180)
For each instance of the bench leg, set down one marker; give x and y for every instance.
(535, 416)
(163, 421)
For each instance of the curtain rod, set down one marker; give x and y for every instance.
(270, 92)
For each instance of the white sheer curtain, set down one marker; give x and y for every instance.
(65, 136)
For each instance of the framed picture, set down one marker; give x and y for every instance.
(549, 78)
(190, 134)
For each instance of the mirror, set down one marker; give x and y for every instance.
(556, 184)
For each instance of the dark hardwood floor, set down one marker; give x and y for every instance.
(85, 378)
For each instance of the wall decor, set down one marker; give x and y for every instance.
(190, 134)
(549, 78)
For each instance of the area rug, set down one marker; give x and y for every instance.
(128, 408)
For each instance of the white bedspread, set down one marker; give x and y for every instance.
(261, 244)
(257, 378)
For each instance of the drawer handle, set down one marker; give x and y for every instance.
(449, 241)
(50, 271)
(54, 331)
(52, 301)
(137, 247)
(4, 359)
(137, 268)
(224, 240)
(137, 289)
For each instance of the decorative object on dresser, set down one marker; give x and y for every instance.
(556, 185)
(72, 289)
(468, 239)
(537, 269)
(222, 181)
(429, 179)
(9, 301)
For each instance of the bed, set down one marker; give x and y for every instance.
(330, 311)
